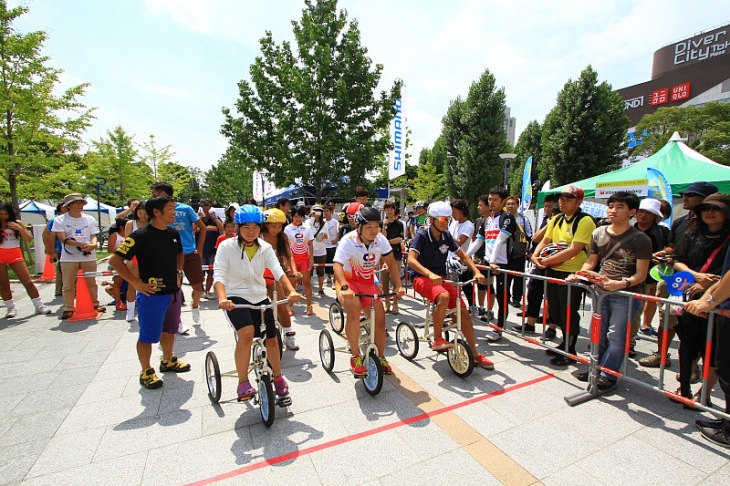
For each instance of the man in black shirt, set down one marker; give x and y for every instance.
(160, 259)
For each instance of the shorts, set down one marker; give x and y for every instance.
(193, 268)
(302, 262)
(427, 289)
(208, 260)
(8, 256)
(363, 288)
(240, 318)
(320, 262)
(157, 314)
(330, 258)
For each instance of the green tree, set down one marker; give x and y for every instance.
(155, 156)
(431, 181)
(188, 182)
(310, 115)
(37, 123)
(473, 135)
(528, 145)
(706, 128)
(229, 180)
(118, 162)
(585, 133)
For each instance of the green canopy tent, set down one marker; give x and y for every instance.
(680, 165)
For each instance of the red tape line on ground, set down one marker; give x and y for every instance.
(366, 433)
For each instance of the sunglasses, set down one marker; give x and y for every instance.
(442, 219)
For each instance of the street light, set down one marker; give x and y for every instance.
(507, 158)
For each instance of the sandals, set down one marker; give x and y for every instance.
(309, 311)
(67, 314)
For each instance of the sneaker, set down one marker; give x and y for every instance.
(357, 368)
(321, 292)
(550, 334)
(130, 315)
(516, 303)
(182, 329)
(121, 306)
(582, 376)
(42, 309)
(696, 376)
(196, 314)
(653, 360)
(717, 436)
(632, 352)
(245, 391)
(290, 341)
(604, 383)
(493, 336)
(11, 313)
(387, 370)
(528, 328)
(710, 423)
(291, 311)
(482, 361)
(208, 295)
(488, 316)
(149, 379)
(309, 310)
(649, 331)
(481, 311)
(281, 386)
(441, 344)
(174, 365)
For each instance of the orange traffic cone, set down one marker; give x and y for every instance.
(84, 307)
(49, 271)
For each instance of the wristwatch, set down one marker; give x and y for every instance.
(711, 300)
(628, 281)
(345, 287)
(180, 272)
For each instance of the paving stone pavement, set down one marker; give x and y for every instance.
(72, 412)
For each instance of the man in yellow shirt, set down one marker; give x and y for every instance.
(573, 229)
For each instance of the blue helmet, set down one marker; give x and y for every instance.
(248, 213)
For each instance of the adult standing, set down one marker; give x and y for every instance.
(461, 230)
(78, 234)
(331, 243)
(160, 256)
(572, 229)
(185, 220)
(54, 248)
(393, 232)
(213, 228)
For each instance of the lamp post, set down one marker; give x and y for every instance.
(507, 158)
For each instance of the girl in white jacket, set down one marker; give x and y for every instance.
(238, 278)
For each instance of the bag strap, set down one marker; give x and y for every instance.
(713, 255)
(615, 247)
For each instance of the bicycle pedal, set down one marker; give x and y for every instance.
(284, 401)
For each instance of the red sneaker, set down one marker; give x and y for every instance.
(357, 368)
(441, 344)
(387, 370)
(481, 360)
(121, 306)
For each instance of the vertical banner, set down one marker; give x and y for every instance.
(397, 157)
(659, 188)
(262, 186)
(526, 186)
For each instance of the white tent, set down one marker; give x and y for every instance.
(34, 212)
(108, 213)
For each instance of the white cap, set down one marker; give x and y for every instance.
(654, 206)
(439, 209)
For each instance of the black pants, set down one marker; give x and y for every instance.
(515, 284)
(469, 288)
(557, 297)
(722, 359)
(692, 333)
(502, 295)
(535, 294)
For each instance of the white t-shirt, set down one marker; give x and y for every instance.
(299, 238)
(359, 261)
(457, 229)
(320, 241)
(11, 239)
(80, 229)
(332, 227)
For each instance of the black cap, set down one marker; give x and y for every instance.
(703, 189)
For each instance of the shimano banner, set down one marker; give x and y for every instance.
(397, 159)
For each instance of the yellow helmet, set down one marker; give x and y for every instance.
(274, 215)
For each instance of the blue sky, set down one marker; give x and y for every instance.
(167, 67)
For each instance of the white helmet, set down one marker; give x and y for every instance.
(439, 209)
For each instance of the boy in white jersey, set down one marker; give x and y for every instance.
(302, 250)
(356, 259)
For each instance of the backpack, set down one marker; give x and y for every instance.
(518, 243)
(576, 219)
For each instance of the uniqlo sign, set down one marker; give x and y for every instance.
(660, 96)
(680, 92)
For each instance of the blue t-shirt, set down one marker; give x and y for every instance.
(59, 248)
(432, 253)
(185, 218)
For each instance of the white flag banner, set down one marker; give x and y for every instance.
(262, 186)
(397, 158)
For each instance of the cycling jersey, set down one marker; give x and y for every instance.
(299, 238)
(359, 260)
